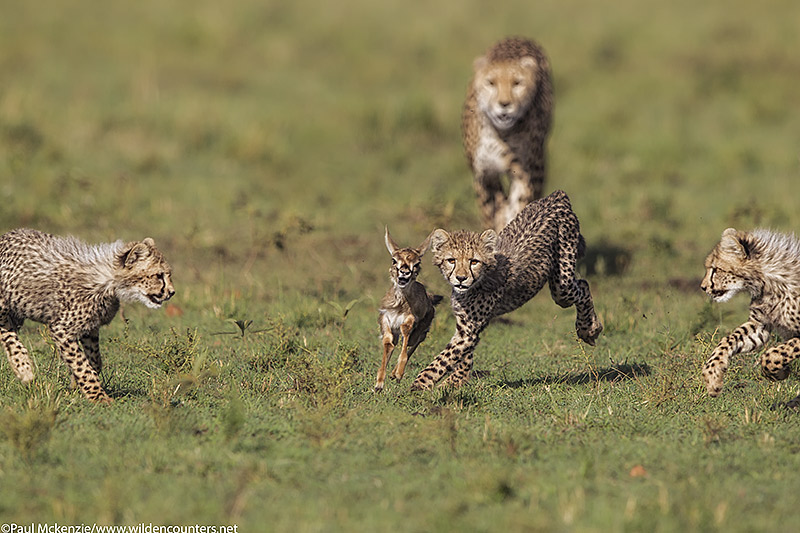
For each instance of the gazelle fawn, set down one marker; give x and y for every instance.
(406, 310)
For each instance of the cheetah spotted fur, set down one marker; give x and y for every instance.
(494, 274)
(766, 265)
(73, 288)
(505, 122)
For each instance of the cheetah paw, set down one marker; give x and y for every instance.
(712, 376)
(773, 369)
(589, 334)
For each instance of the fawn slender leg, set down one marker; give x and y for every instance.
(405, 330)
(388, 346)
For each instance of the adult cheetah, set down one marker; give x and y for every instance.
(494, 274)
(505, 122)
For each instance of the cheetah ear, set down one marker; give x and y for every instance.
(489, 240)
(390, 244)
(437, 239)
(133, 252)
(479, 63)
(528, 62)
(422, 248)
(732, 243)
(149, 242)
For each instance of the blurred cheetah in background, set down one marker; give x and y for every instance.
(494, 274)
(766, 265)
(73, 288)
(505, 123)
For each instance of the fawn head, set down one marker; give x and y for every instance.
(406, 262)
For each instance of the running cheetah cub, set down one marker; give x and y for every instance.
(74, 288)
(494, 274)
(766, 265)
(407, 309)
(505, 123)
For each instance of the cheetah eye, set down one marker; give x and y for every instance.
(474, 262)
(490, 82)
(517, 83)
(451, 260)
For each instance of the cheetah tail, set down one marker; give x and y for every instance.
(581, 246)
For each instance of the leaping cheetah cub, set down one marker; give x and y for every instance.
(494, 274)
(74, 288)
(766, 265)
(505, 123)
(406, 310)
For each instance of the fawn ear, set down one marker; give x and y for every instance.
(390, 244)
(489, 240)
(437, 239)
(422, 248)
(133, 252)
(733, 243)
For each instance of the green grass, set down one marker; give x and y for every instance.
(264, 147)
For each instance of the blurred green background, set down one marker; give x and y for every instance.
(265, 145)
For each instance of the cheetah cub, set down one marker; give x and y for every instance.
(407, 309)
(505, 123)
(494, 274)
(765, 265)
(73, 288)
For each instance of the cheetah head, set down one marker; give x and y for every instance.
(728, 267)
(143, 274)
(406, 262)
(463, 256)
(505, 89)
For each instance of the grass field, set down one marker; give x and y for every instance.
(265, 145)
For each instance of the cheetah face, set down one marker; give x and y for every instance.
(144, 275)
(721, 285)
(406, 262)
(463, 257)
(728, 268)
(505, 90)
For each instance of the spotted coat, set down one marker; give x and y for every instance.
(494, 274)
(505, 122)
(73, 288)
(765, 265)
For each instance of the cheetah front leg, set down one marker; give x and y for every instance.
(17, 355)
(521, 192)
(746, 338)
(491, 198)
(91, 347)
(456, 356)
(78, 363)
(462, 371)
(775, 361)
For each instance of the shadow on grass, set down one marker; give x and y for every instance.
(607, 259)
(126, 392)
(618, 372)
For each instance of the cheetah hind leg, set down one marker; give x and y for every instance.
(587, 323)
(775, 361)
(18, 356)
(565, 289)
